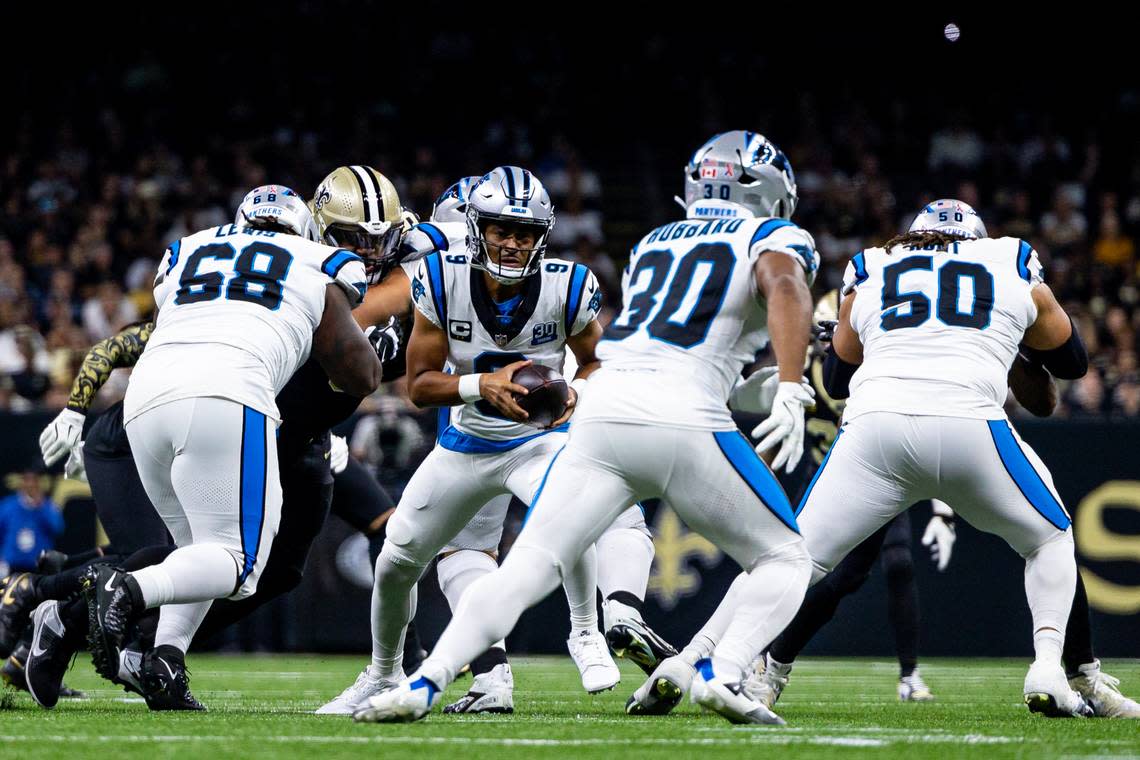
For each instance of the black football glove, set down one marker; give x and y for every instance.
(385, 340)
(824, 330)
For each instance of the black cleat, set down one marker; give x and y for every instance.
(16, 605)
(50, 562)
(12, 672)
(640, 644)
(113, 600)
(165, 681)
(49, 656)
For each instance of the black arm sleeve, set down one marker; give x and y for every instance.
(837, 375)
(1068, 361)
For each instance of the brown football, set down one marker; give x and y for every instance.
(547, 394)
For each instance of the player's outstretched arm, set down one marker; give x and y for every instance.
(341, 349)
(389, 298)
(428, 386)
(120, 350)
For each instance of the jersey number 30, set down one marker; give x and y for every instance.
(691, 328)
(258, 273)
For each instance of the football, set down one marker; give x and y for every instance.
(547, 394)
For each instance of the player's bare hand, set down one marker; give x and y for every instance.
(571, 402)
(497, 389)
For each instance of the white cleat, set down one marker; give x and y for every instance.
(663, 690)
(412, 700)
(366, 685)
(1102, 692)
(599, 672)
(490, 692)
(1047, 692)
(913, 689)
(765, 682)
(728, 698)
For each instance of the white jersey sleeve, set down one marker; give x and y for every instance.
(427, 289)
(346, 269)
(783, 236)
(584, 299)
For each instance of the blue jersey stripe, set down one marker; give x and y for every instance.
(542, 485)
(336, 261)
(818, 472)
(756, 474)
(574, 295)
(453, 439)
(434, 263)
(766, 229)
(1023, 252)
(438, 239)
(860, 263)
(1025, 476)
(253, 476)
(175, 250)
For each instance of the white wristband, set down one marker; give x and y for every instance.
(469, 388)
(579, 385)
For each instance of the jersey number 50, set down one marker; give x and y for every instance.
(950, 276)
(265, 274)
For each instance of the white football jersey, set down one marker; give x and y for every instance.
(448, 238)
(237, 308)
(558, 302)
(940, 329)
(692, 317)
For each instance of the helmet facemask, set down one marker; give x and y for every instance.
(375, 243)
(481, 257)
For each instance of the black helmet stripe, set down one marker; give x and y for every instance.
(510, 172)
(366, 184)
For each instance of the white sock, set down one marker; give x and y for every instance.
(705, 640)
(177, 624)
(625, 556)
(458, 570)
(489, 610)
(195, 573)
(581, 584)
(1050, 582)
(768, 599)
(393, 607)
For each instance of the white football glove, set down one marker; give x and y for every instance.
(75, 469)
(338, 454)
(940, 537)
(785, 425)
(61, 436)
(754, 394)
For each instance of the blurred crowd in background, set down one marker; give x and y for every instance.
(95, 182)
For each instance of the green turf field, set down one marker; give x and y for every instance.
(259, 707)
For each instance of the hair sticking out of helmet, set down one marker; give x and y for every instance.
(278, 209)
(517, 204)
(451, 205)
(739, 174)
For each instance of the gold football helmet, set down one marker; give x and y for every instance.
(358, 208)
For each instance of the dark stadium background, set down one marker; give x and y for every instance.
(123, 126)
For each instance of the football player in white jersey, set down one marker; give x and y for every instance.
(483, 311)
(654, 422)
(929, 326)
(240, 307)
